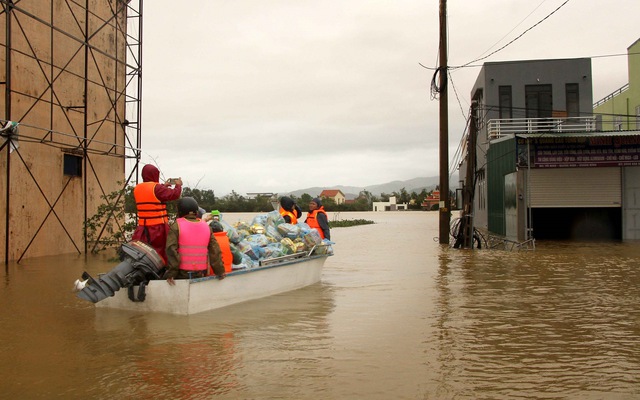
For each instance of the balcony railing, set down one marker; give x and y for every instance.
(501, 127)
(610, 96)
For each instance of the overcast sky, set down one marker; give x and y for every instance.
(279, 95)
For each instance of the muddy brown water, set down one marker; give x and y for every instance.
(395, 316)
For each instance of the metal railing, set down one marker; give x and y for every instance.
(497, 128)
(610, 96)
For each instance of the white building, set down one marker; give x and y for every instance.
(390, 205)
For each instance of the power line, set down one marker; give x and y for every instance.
(516, 38)
(596, 56)
(514, 28)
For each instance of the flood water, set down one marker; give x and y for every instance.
(396, 316)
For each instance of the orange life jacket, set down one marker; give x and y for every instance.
(284, 213)
(193, 244)
(312, 221)
(225, 247)
(151, 211)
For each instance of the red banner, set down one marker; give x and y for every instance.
(575, 152)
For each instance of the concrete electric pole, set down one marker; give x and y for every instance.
(445, 212)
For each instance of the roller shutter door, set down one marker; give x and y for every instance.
(575, 187)
(631, 209)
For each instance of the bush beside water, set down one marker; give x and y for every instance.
(349, 222)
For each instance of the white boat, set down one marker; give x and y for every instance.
(191, 296)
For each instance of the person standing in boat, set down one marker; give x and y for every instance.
(317, 218)
(151, 202)
(191, 246)
(289, 210)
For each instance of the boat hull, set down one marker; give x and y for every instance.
(203, 294)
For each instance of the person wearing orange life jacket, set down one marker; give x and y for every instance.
(289, 210)
(230, 255)
(317, 218)
(151, 198)
(191, 246)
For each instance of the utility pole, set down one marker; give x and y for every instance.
(469, 185)
(445, 217)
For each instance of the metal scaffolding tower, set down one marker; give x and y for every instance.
(72, 86)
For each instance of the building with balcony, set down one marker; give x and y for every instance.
(390, 205)
(621, 109)
(431, 201)
(543, 165)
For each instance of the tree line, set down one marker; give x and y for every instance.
(235, 202)
(112, 224)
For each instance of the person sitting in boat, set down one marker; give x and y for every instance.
(230, 255)
(201, 213)
(191, 246)
(215, 215)
(151, 198)
(289, 210)
(317, 218)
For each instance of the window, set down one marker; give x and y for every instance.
(505, 102)
(573, 100)
(538, 101)
(72, 165)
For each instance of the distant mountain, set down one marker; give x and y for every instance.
(351, 192)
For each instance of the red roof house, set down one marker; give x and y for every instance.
(336, 195)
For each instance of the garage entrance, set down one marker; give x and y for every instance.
(577, 223)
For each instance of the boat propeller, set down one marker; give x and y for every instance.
(139, 263)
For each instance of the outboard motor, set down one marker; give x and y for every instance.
(140, 263)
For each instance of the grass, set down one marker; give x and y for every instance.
(349, 222)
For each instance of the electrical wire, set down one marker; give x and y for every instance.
(514, 28)
(513, 40)
(435, 88)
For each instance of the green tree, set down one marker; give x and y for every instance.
(129, 201)
(205, 198)
(233, 202)
(403, 196)
(304, 201)
(423, 195)
(329, 204)
(363, 204)
(367, 197)
(417, 199)
(262, 204)
(109, 226)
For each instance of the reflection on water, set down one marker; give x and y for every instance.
(205, 355)
(562, 321)
(395, 316)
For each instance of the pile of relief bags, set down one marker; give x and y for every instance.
(269, 236)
